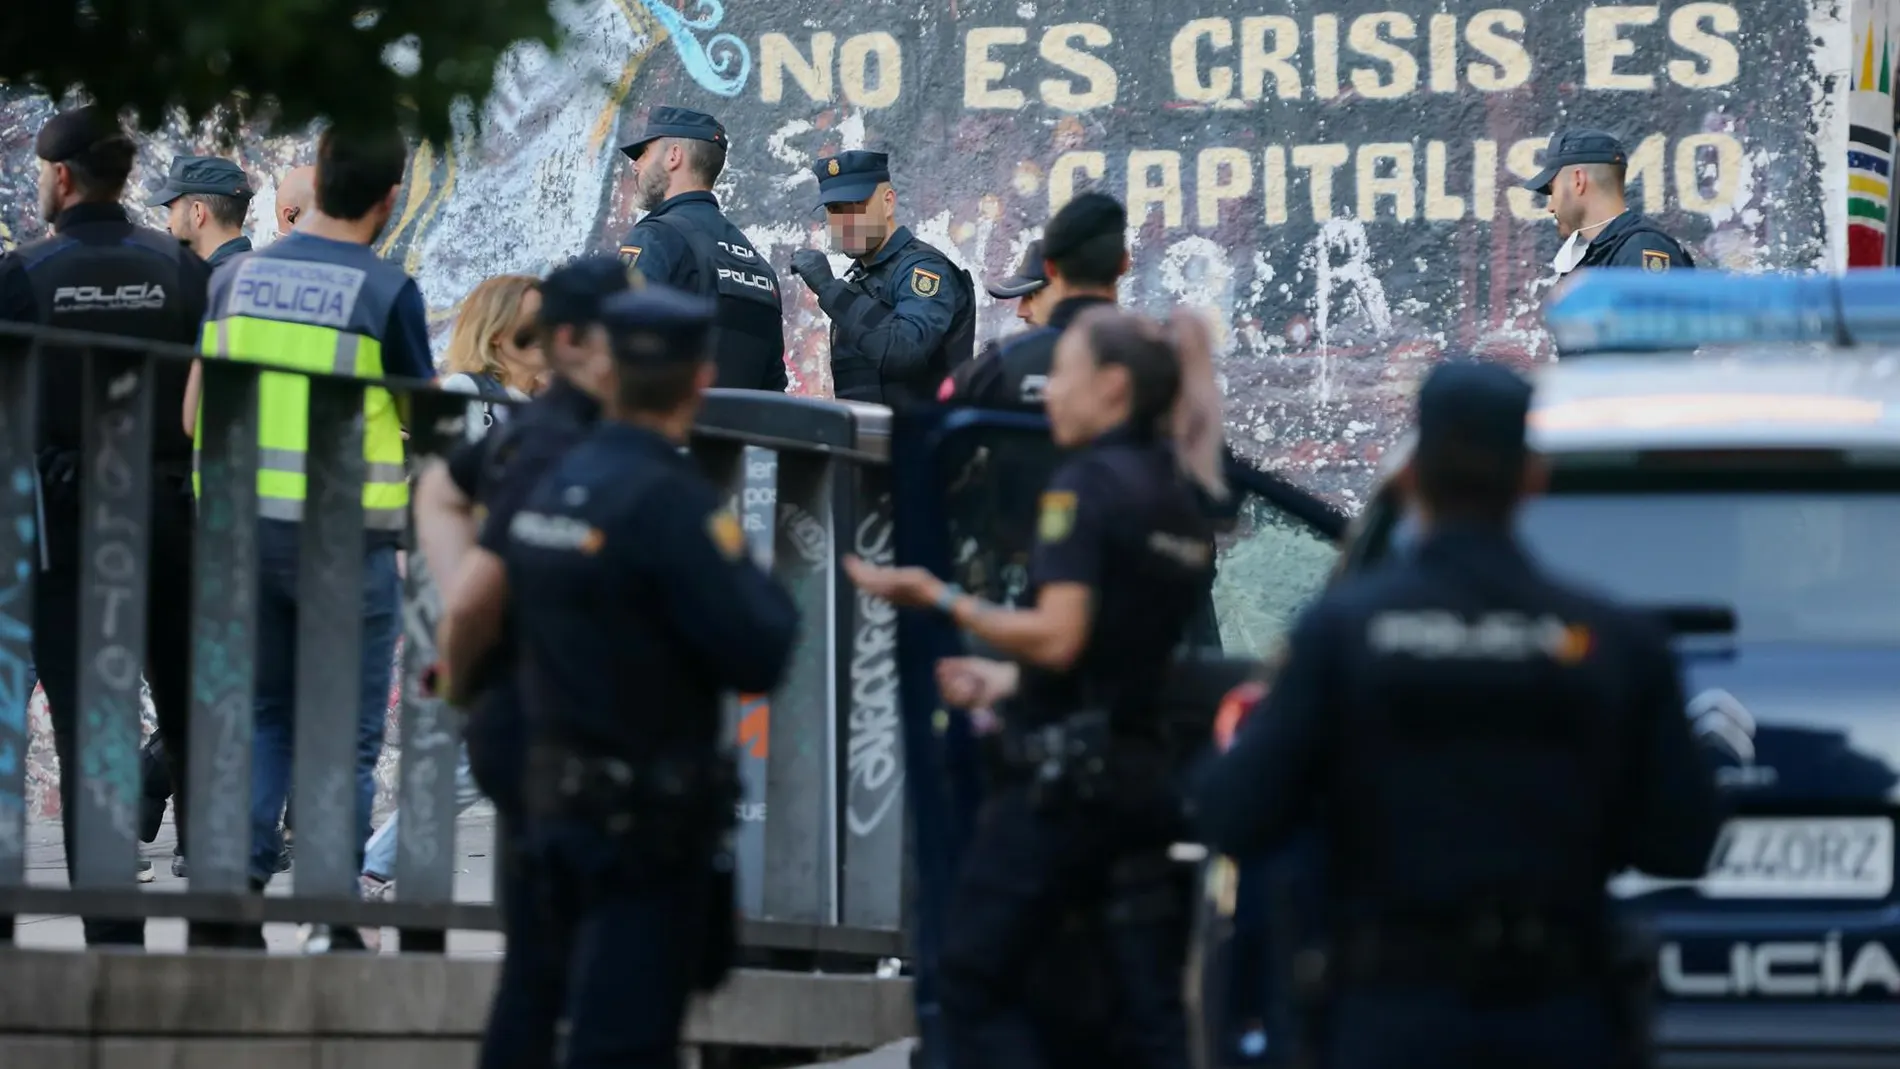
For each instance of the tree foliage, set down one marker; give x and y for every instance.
(283, 62)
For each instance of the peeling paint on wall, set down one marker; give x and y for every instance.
(1335, 180)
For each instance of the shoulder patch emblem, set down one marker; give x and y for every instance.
(1058, 516)
(1655, 261)
(925, 283)
(630, 255)
(723, 527)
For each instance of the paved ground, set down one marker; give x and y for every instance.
(46, 866)
(474, 882)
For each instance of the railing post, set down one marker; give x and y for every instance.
(224, 632)
(430, 765)
(115, 533)
(801, 795)
(19, 563)
(870, 757)
(329, 679)
(749, 477)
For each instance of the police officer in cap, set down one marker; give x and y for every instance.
(206, 198)
(1085, 254)
(1086, 810)
(645, 608)
(685, 241)
(1583, 176)
(100, 273)
(1026, 287)
(904, 316)
(1481, 747)
(463, 509)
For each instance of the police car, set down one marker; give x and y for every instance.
(1729, 446)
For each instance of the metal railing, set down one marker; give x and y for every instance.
(822, 835)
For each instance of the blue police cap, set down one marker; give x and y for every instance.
(1572, 147)
(850, 177)
(572, 294)
(202, 174)
(1030, 276)
(1473, 410)
(665, 121)
(658, 326)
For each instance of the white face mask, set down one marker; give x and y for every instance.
(1573, 250)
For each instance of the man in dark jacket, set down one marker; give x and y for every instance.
(1583, 176)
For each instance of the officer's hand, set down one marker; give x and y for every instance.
(906, 588)
(813, 267)
(975, 682)
(1235, 707)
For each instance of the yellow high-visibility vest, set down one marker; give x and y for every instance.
(283, 412)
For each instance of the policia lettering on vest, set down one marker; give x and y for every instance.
(320, 300)
(100, 273)
(685, 241)
(904, 316)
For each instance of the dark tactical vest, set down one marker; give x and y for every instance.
(750, 345)
(106, 276)
(855, 377)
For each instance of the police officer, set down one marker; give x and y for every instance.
(1085, 254)
(685, 241)
(353, 313)
(904, 316)
(1480, 747)
(100, 273)
(1123, 554)
(463, 508)
(1583, 177)
(1027, 287)
(644, 609)
(206, 198)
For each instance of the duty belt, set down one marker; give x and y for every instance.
(624, 797)
(1520, 957)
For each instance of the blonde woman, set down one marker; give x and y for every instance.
(495, 350)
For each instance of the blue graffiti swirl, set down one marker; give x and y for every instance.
(711, 63)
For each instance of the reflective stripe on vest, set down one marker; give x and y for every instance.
(283, 413)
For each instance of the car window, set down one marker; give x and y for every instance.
(1795, 566)
(1269, 567)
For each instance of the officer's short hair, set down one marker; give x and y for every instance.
(356, 170)
(100, 173)
(1095, 262)
(706, 159)
(1606, 174)
(1470, 483)
(225, 210)
(656, 388)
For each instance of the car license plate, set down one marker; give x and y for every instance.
(1815, 857)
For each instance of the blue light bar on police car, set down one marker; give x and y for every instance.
(1637, 311)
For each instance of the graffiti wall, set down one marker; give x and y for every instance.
(1336, 181)
(1870, 135)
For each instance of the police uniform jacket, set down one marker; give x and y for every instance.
(1012, 374)
(1468, 731)
(918, 324)
(1634, 240)
(1119, 518)
(223, 253)
(639, 604)
(688, 243)
(100, 273)
(497, 472)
